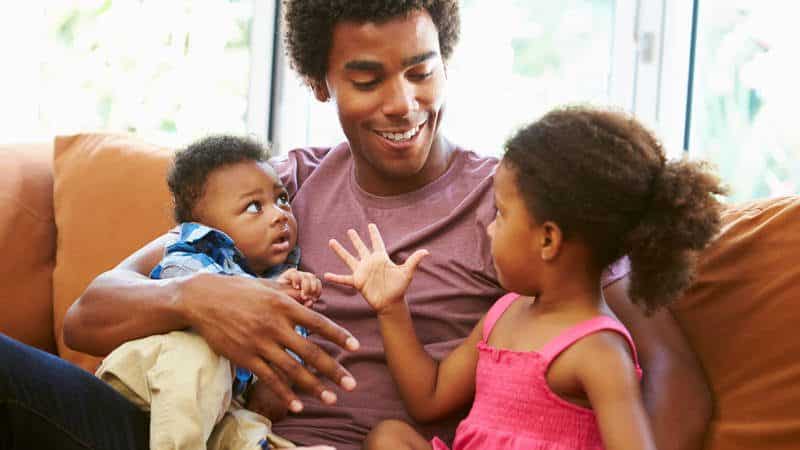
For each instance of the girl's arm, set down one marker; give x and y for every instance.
(430, 390)
(608, 378)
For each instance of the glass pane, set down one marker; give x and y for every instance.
(516, 60)
(743, 116)
(170, 71)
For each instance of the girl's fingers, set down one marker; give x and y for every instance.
(377, 240)
(346, 280)
(343, 254)
(413, 261)
(362, 249)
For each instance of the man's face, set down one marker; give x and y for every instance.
(247, 202)
(387, 81)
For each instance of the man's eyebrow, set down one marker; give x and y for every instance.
(414, 60)
(365, 66)
(374, 66)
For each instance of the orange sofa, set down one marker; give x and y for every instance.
(74, 207)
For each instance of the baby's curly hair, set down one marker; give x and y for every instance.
(309, 26)
(602, 176)
(192, 165)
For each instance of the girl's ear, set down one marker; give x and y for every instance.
(551, 240)
(320, 89)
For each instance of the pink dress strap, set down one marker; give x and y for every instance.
(571, 335)
(497, 310)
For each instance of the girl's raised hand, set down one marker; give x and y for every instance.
(379, 280)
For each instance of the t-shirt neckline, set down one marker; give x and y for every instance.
(394, 201)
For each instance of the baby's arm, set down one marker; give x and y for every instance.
(430, 389)
(608, 376)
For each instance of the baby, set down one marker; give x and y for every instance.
(234, 218)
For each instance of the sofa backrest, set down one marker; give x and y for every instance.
(742, 317)
(27, 243)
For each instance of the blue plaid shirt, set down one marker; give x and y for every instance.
(204, 249)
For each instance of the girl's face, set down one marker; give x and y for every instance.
(514, 234)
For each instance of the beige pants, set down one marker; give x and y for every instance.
(186, 387)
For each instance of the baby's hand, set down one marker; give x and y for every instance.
(307, 284)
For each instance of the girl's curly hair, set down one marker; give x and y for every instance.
(309, 26)
(602, 176)
(192, 165)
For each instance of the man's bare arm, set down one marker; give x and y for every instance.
(675, 390)
(250, 321)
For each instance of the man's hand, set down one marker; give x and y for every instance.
(251, 322)
(263, 400)
(307, 285)
(380, 281)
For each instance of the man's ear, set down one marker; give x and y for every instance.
(320, 89)
(551, 240)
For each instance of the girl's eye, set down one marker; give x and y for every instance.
(253, 207)
(283, 199)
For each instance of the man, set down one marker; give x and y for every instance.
(383, 66)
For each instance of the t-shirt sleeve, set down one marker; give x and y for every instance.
(297, 165)
(616, 271)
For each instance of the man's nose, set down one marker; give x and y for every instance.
(401, 98)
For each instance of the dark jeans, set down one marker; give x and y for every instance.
(48, 403)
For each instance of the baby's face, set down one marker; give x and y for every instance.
(248, 202)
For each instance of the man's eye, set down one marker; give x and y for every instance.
(253, 207)
(283, 199)
(421, 76)
(366, 85)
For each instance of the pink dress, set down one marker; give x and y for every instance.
(514, 408)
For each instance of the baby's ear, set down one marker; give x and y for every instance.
(551, 239)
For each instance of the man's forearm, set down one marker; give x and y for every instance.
(121, 305)
(678, 402)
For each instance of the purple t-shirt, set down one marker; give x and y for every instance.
(451, 290)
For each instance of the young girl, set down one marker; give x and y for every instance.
(549, 366)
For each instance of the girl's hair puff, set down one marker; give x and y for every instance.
(604, 178)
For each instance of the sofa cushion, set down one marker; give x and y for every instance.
(110, 198)
(27, 243)
(742, 317)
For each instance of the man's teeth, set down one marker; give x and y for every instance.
(401, 136)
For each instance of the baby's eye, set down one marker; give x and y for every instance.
(253, 207)
(283, 199)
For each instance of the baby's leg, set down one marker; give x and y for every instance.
(394, 434)
(190, 391)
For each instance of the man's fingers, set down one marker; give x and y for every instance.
(267, 375)
(313, 356)
(377, 240)
(362, 249)
(346, 280)
(300, 374)
(413, 261)
(343, 254)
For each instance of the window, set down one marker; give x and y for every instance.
(168, 71)
(745, 77)
(516, 59)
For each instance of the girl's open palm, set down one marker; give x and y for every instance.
(379, 280)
